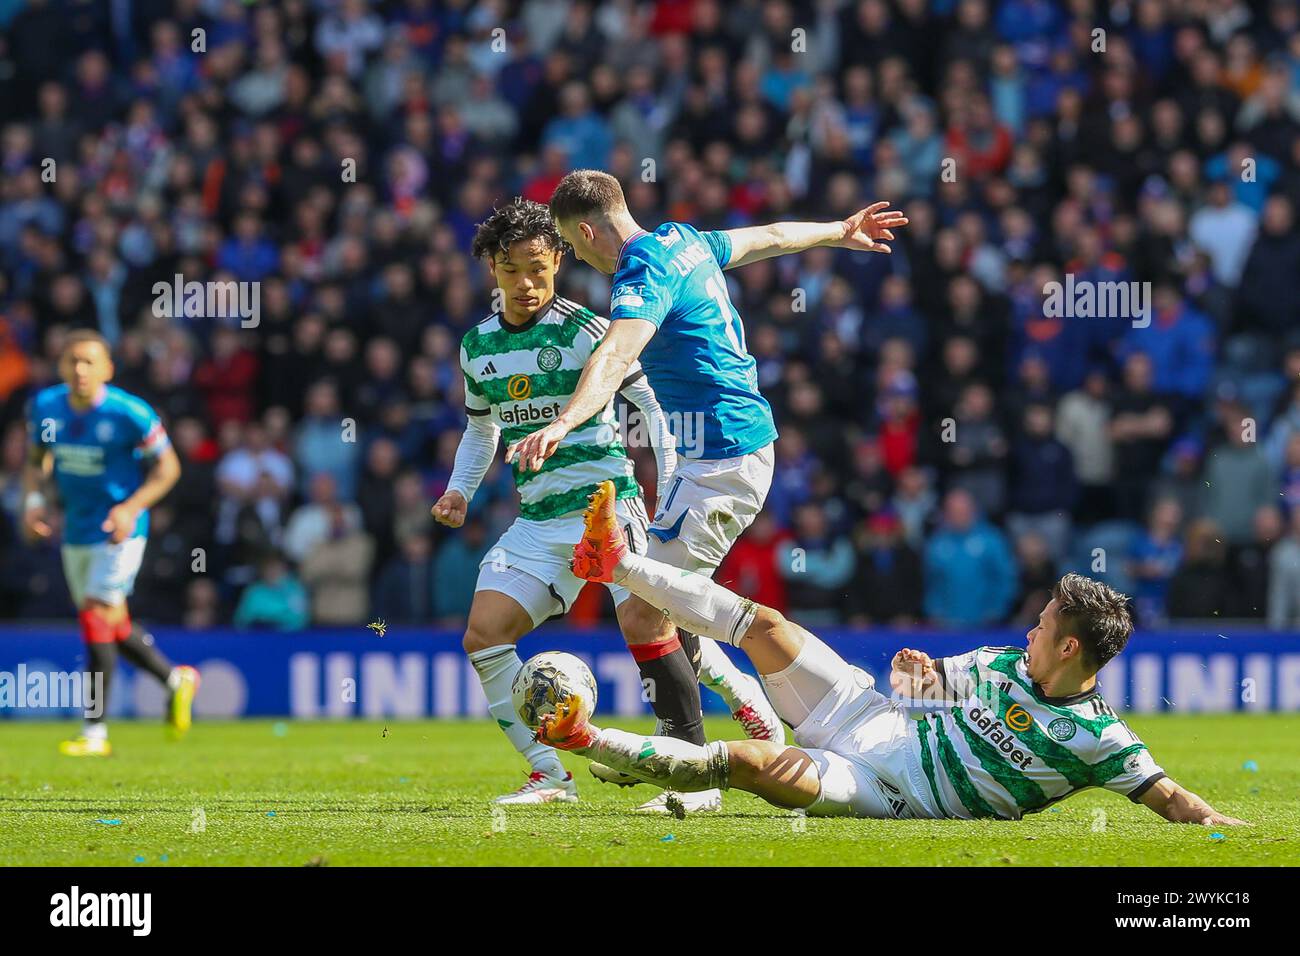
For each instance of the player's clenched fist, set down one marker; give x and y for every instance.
(450, 509)
(912, 672)
(120, 522)
(36, 526)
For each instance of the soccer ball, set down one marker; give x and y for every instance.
(545, 680)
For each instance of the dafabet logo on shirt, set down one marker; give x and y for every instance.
(519, 388)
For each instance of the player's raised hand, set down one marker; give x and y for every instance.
(450, 509)
(531, 450)
(866, 227)
(120, 522)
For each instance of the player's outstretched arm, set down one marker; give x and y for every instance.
(1179, 805)
(473, 458)
(600, 379)
(863, 231)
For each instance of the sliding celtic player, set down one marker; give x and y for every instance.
(999, 731)
(521, 365)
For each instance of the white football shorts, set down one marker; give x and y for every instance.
(707, 504)
(863, 743)
(531, 561)
(103, 571)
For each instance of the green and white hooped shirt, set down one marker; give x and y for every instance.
(1000, 748)
(521, 377)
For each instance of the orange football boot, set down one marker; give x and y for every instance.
(603, 543)
(568, 728)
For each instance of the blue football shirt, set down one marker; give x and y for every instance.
(696, 362)
(100, 455)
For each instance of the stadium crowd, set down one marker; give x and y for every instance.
(948, 446)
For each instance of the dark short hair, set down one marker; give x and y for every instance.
(78, 336)
(586, 193)
(519, 220)
(1096, 614)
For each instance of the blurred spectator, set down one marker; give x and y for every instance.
(1285, 427)
(1140, 428)
(455, 572)
(900, 421)
(1200, 588)
(405, 587)
(1038, 574)
(753, 565)
(322, 519)
(1180, 477)
(1267, 299)
(326, 442)
(579, 130)
(194, 498)
(1291, 475)
(35, 573)
(275, 601)
(914, 502)
(887, 587)
(868, 487)
(1284, 579)
(376, 496)
(970, 572)
(336, 571)
(167, 567)
(1083, 426)
(251, 473)
(977, 451)
(202, 604)
(817, 564)
(1249, 563)
(411, 514)
(1180, 344)
(1044, 488)
(1238, 478)
(1156, 556)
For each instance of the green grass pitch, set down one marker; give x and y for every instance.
(416, 793)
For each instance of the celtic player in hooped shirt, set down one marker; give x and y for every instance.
(1014, 729)
(520, 366)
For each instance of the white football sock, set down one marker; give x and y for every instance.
(174, 678)
(496, 667)
(665, 761)
(691, 601)
(95, 730)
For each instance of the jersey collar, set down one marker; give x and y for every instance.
(95, 402)
(1067, 699)
(537, 317)
(618, 263)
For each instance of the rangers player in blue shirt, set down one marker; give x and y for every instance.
(111, 461)
(670, 309)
